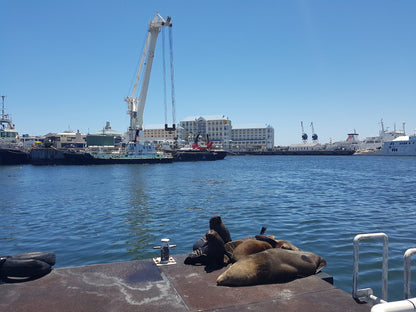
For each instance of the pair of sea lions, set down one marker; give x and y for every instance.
(210, 250)
(210, 254)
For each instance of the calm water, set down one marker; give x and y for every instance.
(98, 214)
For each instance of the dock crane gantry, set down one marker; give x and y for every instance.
(304, 135)
(314, 135)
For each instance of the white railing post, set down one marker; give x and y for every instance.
(407, 271)
(367, 293)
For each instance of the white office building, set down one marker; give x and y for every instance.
(252, 137)
(219, 130)
(217, 127)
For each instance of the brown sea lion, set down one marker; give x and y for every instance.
(249, 247)
(271, 266)
(216, 224)
(216, 249)
(230, 246)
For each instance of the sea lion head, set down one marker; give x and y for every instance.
(213, 238)
(215, 221)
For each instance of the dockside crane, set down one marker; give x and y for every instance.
(304, 135)
(136, 105)
(314, 135)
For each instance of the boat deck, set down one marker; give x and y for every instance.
(142, 286)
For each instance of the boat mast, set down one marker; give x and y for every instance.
(2, 108)
(136, 105)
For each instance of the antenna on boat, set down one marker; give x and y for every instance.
(2, 107)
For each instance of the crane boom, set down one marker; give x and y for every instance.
(136, 105)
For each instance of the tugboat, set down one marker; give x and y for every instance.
(198, 153)
(10, 153)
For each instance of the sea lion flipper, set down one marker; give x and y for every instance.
(321, 265)
(196, 257)
(268, 239)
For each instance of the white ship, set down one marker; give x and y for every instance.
(376, 143)
(401, 146)
(368, 144)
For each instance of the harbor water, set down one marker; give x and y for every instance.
(101, 214)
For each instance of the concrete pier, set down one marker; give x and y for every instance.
(143, 286)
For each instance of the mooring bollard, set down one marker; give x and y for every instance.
(164, 252)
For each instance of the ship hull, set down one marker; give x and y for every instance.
(300, 153)
(51, 156)
(198, 155)
(13, 157)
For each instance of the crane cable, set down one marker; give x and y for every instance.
(164, 77)
(171, 74)
(171, 78)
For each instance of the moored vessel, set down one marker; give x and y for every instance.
(400, 146)
(10, 152)
(198, 152)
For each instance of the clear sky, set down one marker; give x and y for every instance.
(342, 65)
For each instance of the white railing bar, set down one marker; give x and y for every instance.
(407, 271)
(408, 305)
(356, 292)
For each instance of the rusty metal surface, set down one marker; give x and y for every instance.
(142, 286)
(123, 286)
(200, 293)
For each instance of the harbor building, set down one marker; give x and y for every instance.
(66, 139)
(217, 127)
(219, 130)
(158, 133)
(105, 137)
(252, 137)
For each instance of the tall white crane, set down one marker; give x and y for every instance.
(136, 105)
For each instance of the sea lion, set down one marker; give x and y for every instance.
(271, 266)
(249, 247)
(216, 224)
(230, 246)
(211, 254)
(277, 243)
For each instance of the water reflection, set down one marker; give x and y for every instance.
(138, 214)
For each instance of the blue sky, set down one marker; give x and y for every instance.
(342, 65)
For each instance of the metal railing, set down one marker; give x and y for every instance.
(367, 293)
(407, 271)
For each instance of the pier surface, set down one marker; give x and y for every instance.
(142, 286)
